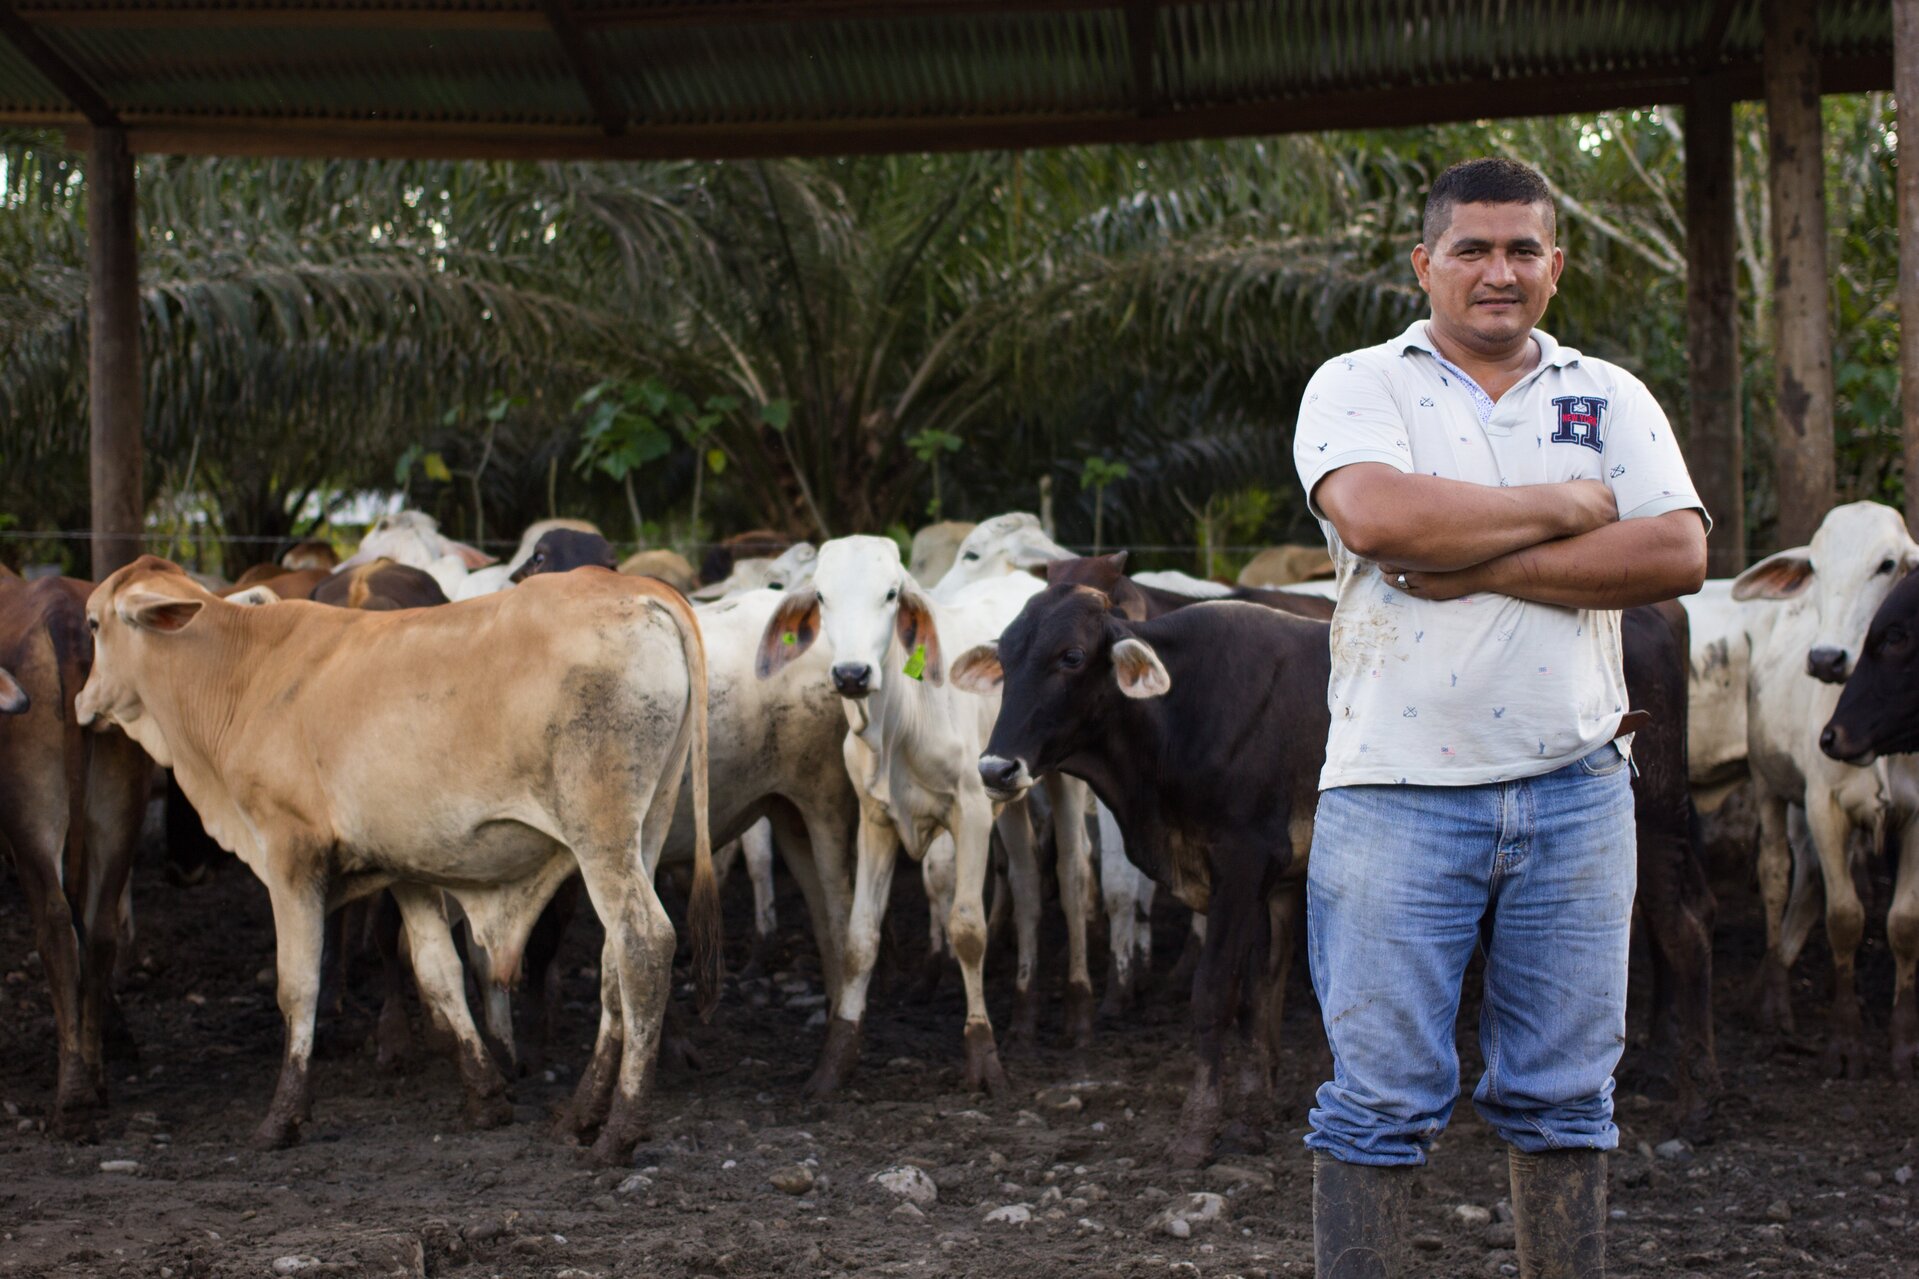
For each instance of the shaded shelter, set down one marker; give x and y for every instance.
(605, 79)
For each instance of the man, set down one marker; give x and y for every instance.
(1491, 500)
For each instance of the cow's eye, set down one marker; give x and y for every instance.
(1072, 659)
(1885, 566)
(970, 556)
(892, 595)
(775, 586)
(1896, 637)
(93, 625)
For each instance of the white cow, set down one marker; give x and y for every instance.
(1183, 584)
(1008, 543)
(912, 756)
(1721, 659)
(793, 566)
(413, 538)
(1802, 650)
(1013, 543)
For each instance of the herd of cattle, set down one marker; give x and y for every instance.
(443, 739)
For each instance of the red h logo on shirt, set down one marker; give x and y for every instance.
(1581, 421)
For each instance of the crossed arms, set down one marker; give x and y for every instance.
(1558, 544)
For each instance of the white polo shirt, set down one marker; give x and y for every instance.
(1484, 688)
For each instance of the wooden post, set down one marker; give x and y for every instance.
(1715, 447)
(113, 358)
(1802, 351)
(1905, 84)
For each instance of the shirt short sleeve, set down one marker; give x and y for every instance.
(1643, 461)
(1348, 414)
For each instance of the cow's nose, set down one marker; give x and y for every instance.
(1827, 664)
(849, 678)
(1829, 742)
(999, 774)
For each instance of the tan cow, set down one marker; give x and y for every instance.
(70, 809)
(486, 748)
(1285, 565)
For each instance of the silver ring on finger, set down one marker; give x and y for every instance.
(1401, 580)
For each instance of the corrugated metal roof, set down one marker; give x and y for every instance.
(734, 77)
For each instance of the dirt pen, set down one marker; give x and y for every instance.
(1791, 1174)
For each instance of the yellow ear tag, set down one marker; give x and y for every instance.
(915, 667)
(789, 638)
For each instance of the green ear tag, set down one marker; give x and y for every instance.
(789, 638)
(915, 667)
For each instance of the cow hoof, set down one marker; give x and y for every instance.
(483, 1113)
(1241, 1138)
(1845, 1058)
(1189, 1150)
(1079, 1015)
(1905, 1060)
(1773, 1006)
(1022, 1033)
(929, 979)
(677, 1052)
(983, 1070)
(75, 1121)
(618, 1139)
(275, 1134)
(838, 1057)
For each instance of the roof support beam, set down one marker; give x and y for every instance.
(1803, 468)
(585, 63)
(73, 86)
(1339, 109)
(113, 353)
(1905, 80)
(398, 15)
(1715, 448)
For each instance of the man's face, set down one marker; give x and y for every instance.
(1491, 274)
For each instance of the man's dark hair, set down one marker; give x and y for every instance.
(1491, 180)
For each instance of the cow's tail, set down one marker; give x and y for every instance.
(704, 929)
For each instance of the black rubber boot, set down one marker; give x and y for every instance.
(1559, 1213)
(1359, 1220)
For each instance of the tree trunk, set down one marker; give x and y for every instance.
(113, 355)
(1715, 445)
(1803, 470)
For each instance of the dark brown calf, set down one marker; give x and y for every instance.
(70, 809)
(1204, 732)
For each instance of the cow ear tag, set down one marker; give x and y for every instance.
(789, 638)
(915, 667)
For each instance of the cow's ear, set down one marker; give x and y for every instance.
(791, 630)
(978, 669)
(1138, 670)
(471, 556)
(914, 626)
(254, 596)
(152, 611)
(1036, 551)
(1780, 576)
(13, 698)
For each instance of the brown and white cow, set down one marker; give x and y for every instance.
(486, 749)
(70, 810)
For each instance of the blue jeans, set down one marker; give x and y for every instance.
(1404, 883)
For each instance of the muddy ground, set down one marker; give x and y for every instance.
(1791, 1175)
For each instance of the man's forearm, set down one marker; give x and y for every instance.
(1439, 525)
(1622, 565)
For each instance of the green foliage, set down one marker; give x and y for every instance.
(821, 335)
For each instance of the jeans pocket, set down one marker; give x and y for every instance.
(1604, 762)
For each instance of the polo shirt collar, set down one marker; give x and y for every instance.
(1551, 353)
